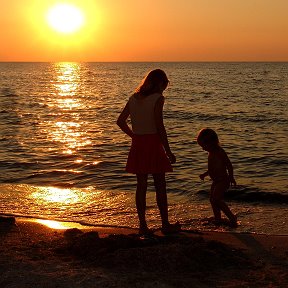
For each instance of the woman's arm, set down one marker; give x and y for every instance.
(158, 113)
(122, 121)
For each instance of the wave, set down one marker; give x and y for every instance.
(8, 92)
(247, 194)
(235, 117)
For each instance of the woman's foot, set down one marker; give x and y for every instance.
(171, 228)
(145, 231)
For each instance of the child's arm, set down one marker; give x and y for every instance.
(158, 112)
(202, 176)
(122, 121)
(229, 167)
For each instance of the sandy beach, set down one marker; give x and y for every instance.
(35, 255)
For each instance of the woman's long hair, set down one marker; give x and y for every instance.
(154, 82)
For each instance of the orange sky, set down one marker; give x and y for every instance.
(150, 30)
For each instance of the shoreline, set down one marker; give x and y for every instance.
(254, 218)
(83, 256)
(62, 225)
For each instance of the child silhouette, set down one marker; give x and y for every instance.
(220, 171)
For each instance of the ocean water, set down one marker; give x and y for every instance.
(62, 157)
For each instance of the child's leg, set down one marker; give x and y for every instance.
(141, 200)
(215, 208)
(218, 200)
(161, 197)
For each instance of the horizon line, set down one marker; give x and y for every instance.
(174, 61)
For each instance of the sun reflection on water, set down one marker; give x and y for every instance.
(93, 205)
(56, 195)
(59, 225)
(66, 102)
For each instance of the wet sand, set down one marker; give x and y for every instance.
(35, 255)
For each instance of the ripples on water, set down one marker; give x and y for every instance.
(58, 130)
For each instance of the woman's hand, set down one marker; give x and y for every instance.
(171, 157)
(232, 180)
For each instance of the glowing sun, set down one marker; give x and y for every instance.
(65, 18)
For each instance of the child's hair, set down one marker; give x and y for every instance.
(151, 83)
(207, 136)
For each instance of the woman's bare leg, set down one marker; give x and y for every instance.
(141, 200)
(161, 197)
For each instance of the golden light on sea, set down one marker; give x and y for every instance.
(67, 129)
(59, 225)
(56, 195)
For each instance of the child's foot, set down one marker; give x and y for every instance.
(213, 221)
(233, 222)
(217, 222)
(171, 228)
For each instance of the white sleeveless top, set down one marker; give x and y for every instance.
(142, 114)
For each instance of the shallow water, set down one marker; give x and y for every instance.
(63, 157)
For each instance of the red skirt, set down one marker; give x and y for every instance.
(147, 155)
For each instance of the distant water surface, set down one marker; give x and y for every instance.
(63, 157)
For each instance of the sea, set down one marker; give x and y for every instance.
(62, 156)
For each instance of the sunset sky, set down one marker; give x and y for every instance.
(148, 30)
